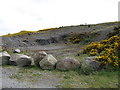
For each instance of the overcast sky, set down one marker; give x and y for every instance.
(17, 15)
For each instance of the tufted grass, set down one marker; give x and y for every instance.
(102, 79)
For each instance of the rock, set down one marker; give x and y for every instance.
(38, 57)
(68, 64)
(4, 58)
(54, 39)
(17, 51)
(90, 65)
(43, 41)
(91, 58)
(20, 60)
(48, 62)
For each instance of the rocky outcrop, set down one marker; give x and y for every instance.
(52, 40)
(4, 58)
(43, 41)
(20, 60)
(68, 64)
(38, 57)
(48, 62)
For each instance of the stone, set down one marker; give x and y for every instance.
(4, 58)
(68, 64)
(90, 65)
(17, 51)
(91, 58)
(38, 57)
(48, 62)
(20, 60)
(43, 41)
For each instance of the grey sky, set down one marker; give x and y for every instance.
(17, 15)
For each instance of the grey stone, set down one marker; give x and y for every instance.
(91, 58)
(38, 57)
(48, 62)
(90, 65)
(20, 60)
(17, 51)
(4, 58)
(68, 64)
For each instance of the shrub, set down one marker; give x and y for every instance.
(106, 50)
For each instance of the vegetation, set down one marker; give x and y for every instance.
(108, 54)
(30, 32)
(68, 79)
(116, 31)
(106, 50)
(19, 33)
(102, 79)
(82, 38)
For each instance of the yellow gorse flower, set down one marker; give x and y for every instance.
(106, 49)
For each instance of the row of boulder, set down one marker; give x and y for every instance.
(46, 61)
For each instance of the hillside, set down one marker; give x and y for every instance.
(57, 35)
(77, 42)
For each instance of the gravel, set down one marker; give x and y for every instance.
(18, 77)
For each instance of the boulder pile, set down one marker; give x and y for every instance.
(47, 61)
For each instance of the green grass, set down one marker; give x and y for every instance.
(72, 79)
(15, 77)
(1, 49)
(101, 79)
(36, 75)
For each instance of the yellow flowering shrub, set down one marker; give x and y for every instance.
(93, 52)
(106, 50)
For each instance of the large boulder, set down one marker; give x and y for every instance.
(38, 57)
(68, 64)
(4, 58)
(90, 65)
(17, 51)
(48, 62)
(20, 60)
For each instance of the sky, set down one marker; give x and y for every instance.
(33, 15)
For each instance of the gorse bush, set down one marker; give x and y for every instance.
(106, 50)
(84, 37)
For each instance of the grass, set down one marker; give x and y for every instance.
(81, 57)
(101, 79)
(1, 49)
(71, 79)
(15, 77)
(36, 75)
